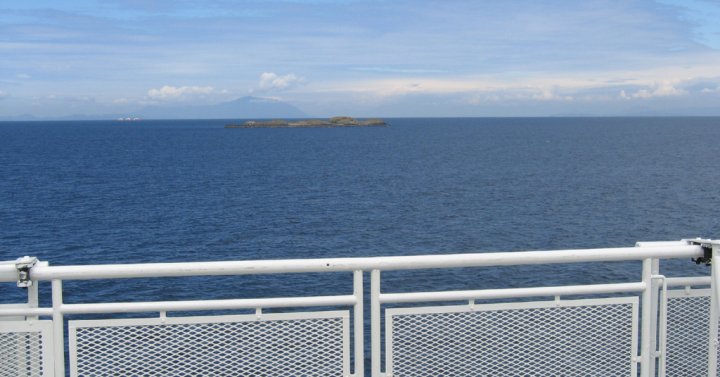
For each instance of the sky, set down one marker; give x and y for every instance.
(392, 58)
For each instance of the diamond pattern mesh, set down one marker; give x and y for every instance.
(591, 340)
(687, 336)
(20, 354)
(300, 347)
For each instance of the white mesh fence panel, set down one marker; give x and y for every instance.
(688, 335)
(20, 354)
(277, 345)
(24, 347)
(578, 338)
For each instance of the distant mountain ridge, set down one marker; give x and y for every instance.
(241, 108)
(246, 107)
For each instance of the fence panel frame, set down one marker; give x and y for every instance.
(45, 328)
(712, 325)
(73, 325)
(635, 325)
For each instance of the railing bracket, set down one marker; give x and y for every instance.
(23, 266)
(707, 246)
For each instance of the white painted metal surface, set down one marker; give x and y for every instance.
(13, 312)
(176, 306)
(687, 333)
(288, 344)
(546, 338)
(647, 348)
(512, 293)
(657, 346)
(351, 264)
(359, 323)
(714, 310)
(661, 342)
(26, 349)
(689, 281)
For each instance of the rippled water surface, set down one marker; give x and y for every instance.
(168, 191)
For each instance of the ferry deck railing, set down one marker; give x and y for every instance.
(661, 332)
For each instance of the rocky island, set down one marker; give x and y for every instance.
(332, 122)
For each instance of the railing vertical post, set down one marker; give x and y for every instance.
(713, 333)
(33, 303)
(645, 338)
(375, 321)
(58, 329)
(654, 314)
(359, 324)
(33, 298)
(714, 310)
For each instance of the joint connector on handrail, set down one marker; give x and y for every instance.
(707, 246)
(23, 266)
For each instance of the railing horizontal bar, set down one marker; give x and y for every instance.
(26, 312)
(8, 272)
(137, 307)
(512, 293)
(687, 281)
(660, 243)
(352, 264)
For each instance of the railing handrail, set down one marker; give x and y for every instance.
(26, 274)
(144, 270)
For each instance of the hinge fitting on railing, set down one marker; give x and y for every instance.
(707, 246)
(23, 266)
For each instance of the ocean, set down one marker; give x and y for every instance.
(106, 192)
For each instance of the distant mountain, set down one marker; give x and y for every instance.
(242, 108)
(20, 117)
(246, 107)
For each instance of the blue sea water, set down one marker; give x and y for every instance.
(100, 192)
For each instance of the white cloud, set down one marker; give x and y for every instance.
(271, 82)
(708, 90)
(657, 89)
(545, 95)
(22, 76)
(171, 92)
(396, 70)
(80, 99)
(4, 95)
(666, 90)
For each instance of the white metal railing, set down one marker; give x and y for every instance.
(448, 330)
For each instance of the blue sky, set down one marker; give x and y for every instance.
(362, 58)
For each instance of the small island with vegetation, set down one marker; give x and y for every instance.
(332, 122)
